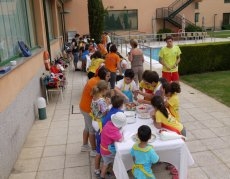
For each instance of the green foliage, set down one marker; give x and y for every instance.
(226, 27)
(96, 14)
(192, 28)
(162, 31)
(202, 58)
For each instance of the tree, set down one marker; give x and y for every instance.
(96, 13)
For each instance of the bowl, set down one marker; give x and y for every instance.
(130, 106)
(142, 108)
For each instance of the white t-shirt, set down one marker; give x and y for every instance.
(122, 86)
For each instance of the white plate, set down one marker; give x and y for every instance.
(131, 120)
(136, 139)
(144, 115)
(130, 113)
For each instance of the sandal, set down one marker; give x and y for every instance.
(174, 171)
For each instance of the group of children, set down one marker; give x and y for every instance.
(108, 118)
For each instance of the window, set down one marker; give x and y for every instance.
(196, 5)
(226, 18)
(49, 18)
(17, 24)
(197, 17)
(226, 1)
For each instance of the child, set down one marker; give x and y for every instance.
(96, 62)
(99, 106)
(163, 118)
(127, 86)
(146, 87)
(172, 102)
(117, 104)
(109, 135)
(143, 155)
(151, 79)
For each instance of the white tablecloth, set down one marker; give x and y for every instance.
(171, 151)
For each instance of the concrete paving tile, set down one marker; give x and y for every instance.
(55, 150)
(203, 133)
(196, 146)
(194, 125)
(58, 131)
(205, 158)
(79, 159)
(41, 124)
(77, 173)
(73, 138)
(196, 173)
(228, 164)
(31, 152)
(215, 171)
(63, 117)
(35, 141)
(215, 143)
(56, 140)
(220, 114)
(223, 154)
(221, 131)
(52, 163)
(226, 139)
(62, 112)
(27, 175)
(189, 136)
(38, 133)
(73, 148)
(74, 131)
(51, 174)
(28, 165)
(225, 121)
(212, 123)
(58, 124)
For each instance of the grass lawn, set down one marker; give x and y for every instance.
(220, 34)
(214, 84)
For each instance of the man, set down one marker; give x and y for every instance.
(169, 57)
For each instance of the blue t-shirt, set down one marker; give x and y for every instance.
(107, 117)
(145, 156)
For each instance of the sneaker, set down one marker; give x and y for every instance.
(85, 148)
(97, 172)
(93, 153)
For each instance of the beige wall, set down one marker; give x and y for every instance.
(207, 10)
(78, 18)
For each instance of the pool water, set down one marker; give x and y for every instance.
(154, 52)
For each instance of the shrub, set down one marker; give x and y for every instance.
(162, 31)
(226, 27)
(193, 28)
(201, 58)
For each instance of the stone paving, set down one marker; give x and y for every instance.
(52, 148)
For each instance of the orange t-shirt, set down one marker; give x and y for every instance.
(111, 61)
(86, 97)
(102, 49)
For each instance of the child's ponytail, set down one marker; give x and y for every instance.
(158, 103)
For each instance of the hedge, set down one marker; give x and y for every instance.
(205, 57)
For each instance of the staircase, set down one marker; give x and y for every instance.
(171, 13)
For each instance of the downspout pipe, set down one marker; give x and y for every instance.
(47, 28)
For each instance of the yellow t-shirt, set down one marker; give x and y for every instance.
(169, 56)
(169, 123)
(147, 87)
(95, 63)
(173, 107)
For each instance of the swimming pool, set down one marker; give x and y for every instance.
(154, 52)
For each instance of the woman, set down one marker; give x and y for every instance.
(112, 63)
(136, 58)
(86, 99)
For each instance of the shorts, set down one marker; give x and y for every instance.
(88, 122)
(107, 159)
(170, 76)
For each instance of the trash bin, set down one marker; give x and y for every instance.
(41, 108)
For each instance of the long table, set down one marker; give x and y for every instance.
(170, 151)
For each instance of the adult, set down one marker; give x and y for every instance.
(112, 63)
(169, 57)
(76, 53)
(86, 98)
(136, 58)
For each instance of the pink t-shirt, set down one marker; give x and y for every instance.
(109, 135)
